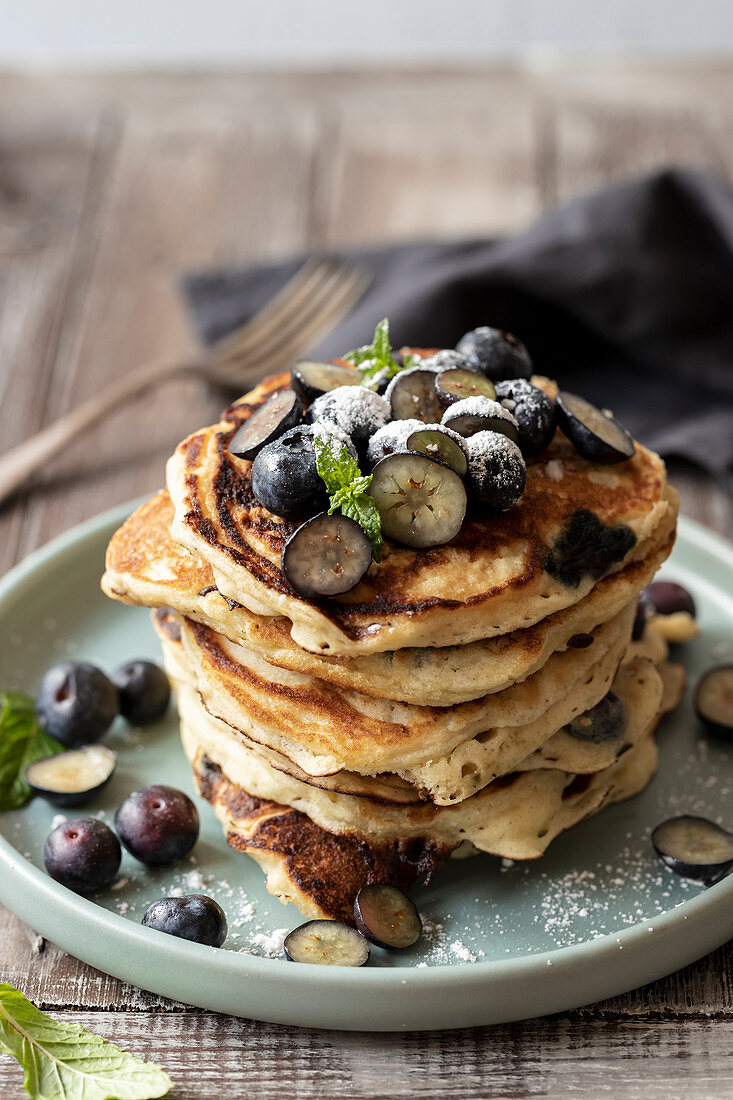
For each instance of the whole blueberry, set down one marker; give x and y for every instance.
(83, 854)
(495, 353)
(669, 598)
(285, 477)
(76, 703)
(158, 824)
(193, 917)
(144, 692)
(534, 412)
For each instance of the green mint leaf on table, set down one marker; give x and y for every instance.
(347, 488)
(375, 360)
(63, 1061)
(22, 742)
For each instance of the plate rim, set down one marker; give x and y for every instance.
(27, 890)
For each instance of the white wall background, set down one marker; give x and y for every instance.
(206, 32)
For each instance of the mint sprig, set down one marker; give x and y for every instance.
(22, 742)
(375, 360)
(347, 489)
(64, 1061)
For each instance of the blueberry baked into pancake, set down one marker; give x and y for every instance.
(399, 602)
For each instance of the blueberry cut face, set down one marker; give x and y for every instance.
(387, 917)
(714, 701)
(326, 943)
(74, 777)
(594, 434)
(586, 548)
(194, 917)
(326, 556)
(606, 721)
(694, 848)
(279, 414)
(76, 703)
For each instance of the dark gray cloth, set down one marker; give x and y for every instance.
(624, 295)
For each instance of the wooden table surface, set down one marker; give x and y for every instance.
(110, 187)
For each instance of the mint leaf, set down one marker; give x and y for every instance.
(22, 742)
(375, 360)
(347, 489)
(64, 1061)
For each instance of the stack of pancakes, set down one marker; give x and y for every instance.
(425, 713)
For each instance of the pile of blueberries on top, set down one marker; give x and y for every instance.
(446, 433)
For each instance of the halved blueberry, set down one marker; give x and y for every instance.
(495, 353)
(310, 379)
(597, 436)
(412, 395)
(445, 360)
(668, 598)
(421, 501)
(457, 383)
(606, 721)
(326, 556)
(278, 415)
(694, 847)
(326, 943)
(74, 777)
(534, 412)
(480, 414)
(386, 917)
(441, 443)
(714, 700)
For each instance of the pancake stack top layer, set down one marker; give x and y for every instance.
(457, 700)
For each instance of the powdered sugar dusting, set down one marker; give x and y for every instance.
(329, 434)
(392, 437)
(493, 456)
(357, 411)
(554, 469)
(446, 360)
(480, 406)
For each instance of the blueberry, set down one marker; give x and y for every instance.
(668, 598)
(326, 556)
(386, 917)
(285, 477)
(412, 395)
(326, 943)
(144, 692)
(310, 378)
(534, 412)
(158, 824)
(83, 854)
(593, 433)
(606, 721)
(497, 474)
(586, 547)
(194, 917)
(391, 438)
(714, 701)
(496, 354)
(356, 410)
(74, 777)
(421, 501)
(442, 443)
(694, 848)
(470, 415)
(76, 703)
(281, 412)
(446, 360)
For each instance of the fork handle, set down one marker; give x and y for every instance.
(19, 463)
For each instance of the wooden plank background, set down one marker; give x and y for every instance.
(110, 187)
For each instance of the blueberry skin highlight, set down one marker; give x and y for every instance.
(194, 917)
(285, 476)
(76, 703)
(144, 692)
(83, 855)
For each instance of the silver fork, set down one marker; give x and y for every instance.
(307, 308)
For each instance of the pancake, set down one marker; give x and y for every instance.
(146, 567)
(515, 817)
(449, 751)
(497, 575)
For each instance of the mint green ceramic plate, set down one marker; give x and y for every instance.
(596, 917)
